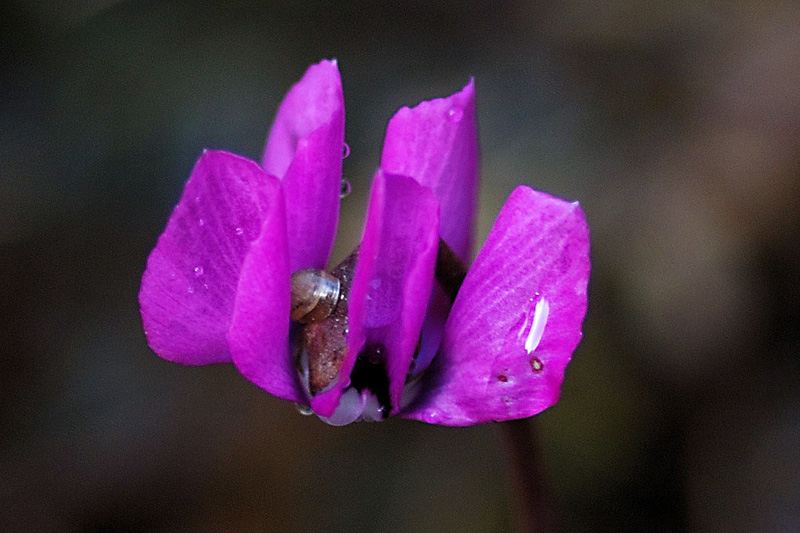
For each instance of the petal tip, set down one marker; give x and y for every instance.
(329, 67)
(468, 92)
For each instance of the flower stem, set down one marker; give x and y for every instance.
(530, 490)
(534, 503)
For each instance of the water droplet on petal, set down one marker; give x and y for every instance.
(201, 222)
(455, 114)
(190, 290)
(239, 231)
(345, 150)
(536, 364)
(198, 271)
(304, 409)
(346, 189)
(540, 314)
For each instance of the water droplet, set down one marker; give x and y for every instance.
(455, 114)
(540, 314)
(201, 222)
(536, 364)
(190, 290)
(239, 231)
(346, 189)
(304, 409)
(198, 271)
(345, 150)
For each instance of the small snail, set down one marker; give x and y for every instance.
(315, 294)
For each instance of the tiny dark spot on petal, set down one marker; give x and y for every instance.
(502, 378)
(536, 364)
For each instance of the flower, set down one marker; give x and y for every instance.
(218, 285)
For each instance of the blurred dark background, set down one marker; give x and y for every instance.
(677, 126)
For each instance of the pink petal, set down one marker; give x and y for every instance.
(436, 143)
(392, 282)
(190, 284)
(259, 333)
(305, 149)
(517, 318)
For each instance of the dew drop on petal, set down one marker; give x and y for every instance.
(239, 231)
(345, 190)
(345, 150)
(540, 314)
(455, 114)
(201, 222)
(190, 290)
(536, 364)
(304, 409)
(198, 271)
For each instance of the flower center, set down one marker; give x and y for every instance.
(370, 374)
(319, 311)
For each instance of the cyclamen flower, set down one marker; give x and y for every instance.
(217, 287)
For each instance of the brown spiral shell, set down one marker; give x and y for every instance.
(315, 294)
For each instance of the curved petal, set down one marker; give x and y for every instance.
(517, 318)
(259, 332)
(392, 282)
(305, 149)
(190, 284)
(436, 143)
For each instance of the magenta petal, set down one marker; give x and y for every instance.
(392, 281)
(517, 318)
(259, 333)
(436, 143)
(305, 149)
(190, 284)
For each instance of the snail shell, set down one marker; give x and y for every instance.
(315, 294)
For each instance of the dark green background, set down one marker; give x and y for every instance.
(677, 126)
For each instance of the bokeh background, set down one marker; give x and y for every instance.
(677, 126)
